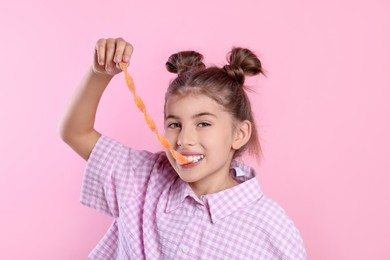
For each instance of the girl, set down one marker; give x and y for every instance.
(210, 208)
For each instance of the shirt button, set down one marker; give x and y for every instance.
(185, 249)
(199, 213)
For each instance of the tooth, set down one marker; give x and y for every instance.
(194, 158)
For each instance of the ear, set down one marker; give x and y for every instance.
(242, 134)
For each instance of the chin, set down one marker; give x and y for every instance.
(187, 178)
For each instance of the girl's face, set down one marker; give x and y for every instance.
(200, 129)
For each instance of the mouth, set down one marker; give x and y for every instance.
(192, 159)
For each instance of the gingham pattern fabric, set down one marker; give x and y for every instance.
(157, 216)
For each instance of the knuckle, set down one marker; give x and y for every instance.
(129, 49)
(120, 39)
(100, 43)
(110, 42)
(130, 46)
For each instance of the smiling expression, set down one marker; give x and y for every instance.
(200, 129)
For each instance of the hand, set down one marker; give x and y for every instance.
(109, 53)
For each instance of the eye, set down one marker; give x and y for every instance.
(173, 125)
(204, 124)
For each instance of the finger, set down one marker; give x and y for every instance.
(110, 50)
(128, 52)
(120, 48)
(101, 51)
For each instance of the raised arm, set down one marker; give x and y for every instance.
(77, 124)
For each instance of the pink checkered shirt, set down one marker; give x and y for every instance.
(158, 216)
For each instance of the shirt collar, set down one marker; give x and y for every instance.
(226, 202)
(178, 192)
(223, 203)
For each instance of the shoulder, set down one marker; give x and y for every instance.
(269, 211)
(269, 224)
(114, 152)
(123, 164)
(275, 226)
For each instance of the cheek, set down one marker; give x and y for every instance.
(170, 158)
(222, 141)
(218, 136)
(171, 137)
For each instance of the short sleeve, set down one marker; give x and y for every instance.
(297, 247)
(109, 177)
(293, 246)
(286, 236)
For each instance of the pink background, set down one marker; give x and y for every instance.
(323, 111)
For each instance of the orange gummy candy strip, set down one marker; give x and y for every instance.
(149, 121)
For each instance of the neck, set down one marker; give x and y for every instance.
(212, 187)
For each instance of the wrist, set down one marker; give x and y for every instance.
(100, 75)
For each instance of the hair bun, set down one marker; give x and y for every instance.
(242, 62)
(184, 61)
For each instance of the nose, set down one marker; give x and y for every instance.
(186, 137)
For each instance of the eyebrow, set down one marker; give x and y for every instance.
(194, 116)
